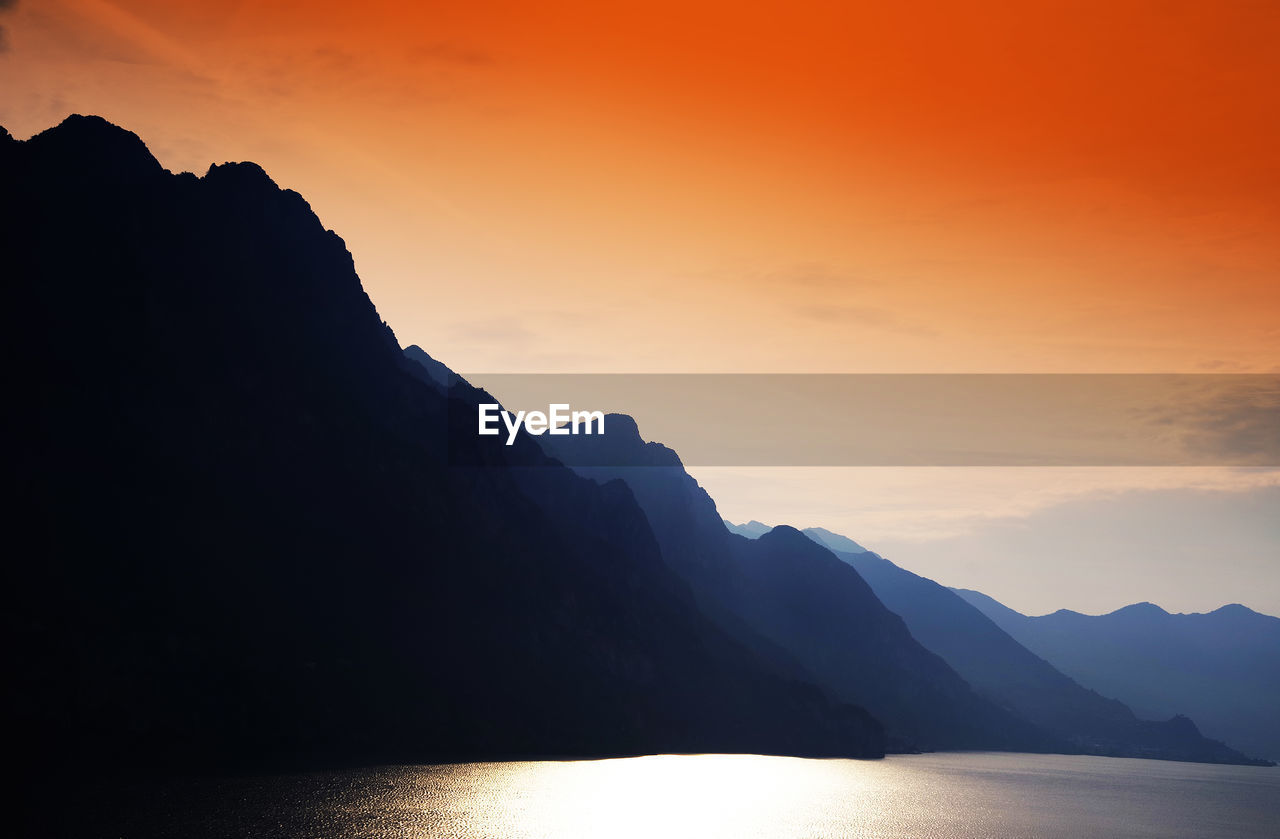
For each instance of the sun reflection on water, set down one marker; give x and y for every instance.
(656, 796)
(666, 796)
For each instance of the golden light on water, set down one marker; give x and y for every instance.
(706, 795)
(661, 796)
(955, 795)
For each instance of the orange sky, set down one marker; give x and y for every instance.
(767, 187)
(560, 186)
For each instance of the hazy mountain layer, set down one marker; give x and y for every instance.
(754, 530)
(996, 665)
(1222, 668)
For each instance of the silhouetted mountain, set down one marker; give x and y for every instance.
(1222, 669)
(752, 529)
(241, 535)
(792, 600)
(999, 667)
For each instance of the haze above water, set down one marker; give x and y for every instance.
(940, 795)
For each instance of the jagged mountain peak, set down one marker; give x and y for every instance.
(92, 147)
(752, 530)
(1143, 609)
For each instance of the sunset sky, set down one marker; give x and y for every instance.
(769, 187)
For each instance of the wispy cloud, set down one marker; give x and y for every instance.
(933, 504)
(5, 6)
(1227, 418)
(121, 35)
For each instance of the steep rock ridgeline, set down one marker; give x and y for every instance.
(242, 538)
(795, 602)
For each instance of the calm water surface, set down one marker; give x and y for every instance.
(943, 795)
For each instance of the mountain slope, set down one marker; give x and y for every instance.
(784, 594)
(1221, 668)
(249, 538)
(1003, 669)
(833, 541)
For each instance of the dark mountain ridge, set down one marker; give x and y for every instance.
(246, 538)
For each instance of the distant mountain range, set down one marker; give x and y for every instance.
(795, 611)
(1222, 668)
(999, 667)
(754, 530)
